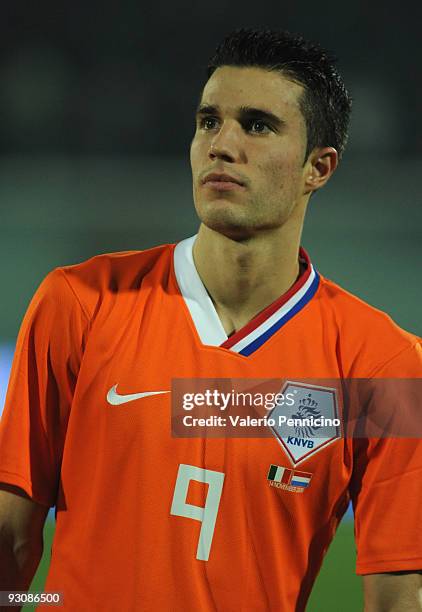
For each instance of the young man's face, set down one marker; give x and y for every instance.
(249, 126)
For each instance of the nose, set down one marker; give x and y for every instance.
(226, 145)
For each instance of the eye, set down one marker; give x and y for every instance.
(257, 126)
(207, 123)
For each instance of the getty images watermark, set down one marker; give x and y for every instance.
(219, 400)
(306, 412)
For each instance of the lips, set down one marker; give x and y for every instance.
(216, 177)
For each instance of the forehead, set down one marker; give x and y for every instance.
(231, 87)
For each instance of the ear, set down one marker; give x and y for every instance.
(321, 164)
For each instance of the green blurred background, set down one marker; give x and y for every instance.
(97, 105)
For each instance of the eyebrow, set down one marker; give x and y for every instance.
(244, 113)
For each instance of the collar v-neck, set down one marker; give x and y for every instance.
(260, 329)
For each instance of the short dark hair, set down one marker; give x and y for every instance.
(325, 104)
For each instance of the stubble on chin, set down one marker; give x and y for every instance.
(239, 222)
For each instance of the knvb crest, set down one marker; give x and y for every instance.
(309, 423)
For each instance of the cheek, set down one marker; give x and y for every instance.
(192, 155)
(196, 154)
(282, 171)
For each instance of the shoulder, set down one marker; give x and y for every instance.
(368, 338)
(111, 273)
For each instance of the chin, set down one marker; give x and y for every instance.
(231, 219)
(231, 228)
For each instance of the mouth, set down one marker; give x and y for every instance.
(222, 182)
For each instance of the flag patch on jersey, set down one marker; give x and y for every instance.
(288, 479)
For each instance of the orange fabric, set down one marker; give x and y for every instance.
(111, 470)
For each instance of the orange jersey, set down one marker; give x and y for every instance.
(148, 521)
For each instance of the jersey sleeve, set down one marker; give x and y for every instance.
(43, 377)
(386, 488)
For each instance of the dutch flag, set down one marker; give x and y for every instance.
(300, 479)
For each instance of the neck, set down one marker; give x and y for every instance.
(243, 277)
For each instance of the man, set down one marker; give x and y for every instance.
(147, 521)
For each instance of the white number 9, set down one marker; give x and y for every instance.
(208, 514)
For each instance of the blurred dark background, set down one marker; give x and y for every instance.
(96, 108)
(122, 78)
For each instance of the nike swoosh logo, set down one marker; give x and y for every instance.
(115, 399)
